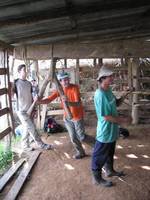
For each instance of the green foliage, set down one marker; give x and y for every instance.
(6, 157)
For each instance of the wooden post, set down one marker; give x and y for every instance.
(135, 114)
(77, 71)
(12, 66)
(36, 69)
(44, 108)
(61, 93)
(100, 62)
(135, 74)
(122, 61)
(129, 61)
(65, 63)
(46, 81)
(52, 76)
(94, 62)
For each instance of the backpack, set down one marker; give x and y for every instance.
(123, 132)
(51, 126)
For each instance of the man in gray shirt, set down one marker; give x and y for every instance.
(23, 90)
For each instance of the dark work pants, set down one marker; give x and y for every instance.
(103, 155)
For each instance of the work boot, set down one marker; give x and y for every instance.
(98, 180)
(79, 156)
(110, 173)
(44, 146)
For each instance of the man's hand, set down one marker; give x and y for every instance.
(64, 98)
(36, 98)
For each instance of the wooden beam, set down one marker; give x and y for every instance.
(13, 193)
(4, 46)
(8, 175)
(5, 132)
(4, 111)
(142, 105)
(3, 71)
(44, 107)
(120, 68)
(62, 94)
(3, 91)
(142, 92)
(47, 79)
(120, 81)
(69, 7)
(55, 112)
(144, 79)
(123, 48)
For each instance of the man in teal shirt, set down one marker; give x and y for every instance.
(105, 103)
(107, 129)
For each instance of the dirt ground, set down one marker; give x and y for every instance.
(57, 176)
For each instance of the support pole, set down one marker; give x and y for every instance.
(77, 71)
(61, 93)
(45, 83)
(135, 74)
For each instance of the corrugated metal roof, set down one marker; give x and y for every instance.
(50, 21)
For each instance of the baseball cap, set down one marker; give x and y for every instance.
(62, 75)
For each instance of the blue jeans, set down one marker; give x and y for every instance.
(76, 132)
(103, 155)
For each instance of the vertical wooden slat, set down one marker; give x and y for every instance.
(65, 63)
(44, 108)
(94, 62)
(135, 74)
(9, 98)
(77, 78)
(100, 62)
(130, 79)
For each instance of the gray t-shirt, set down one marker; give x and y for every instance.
(23, 89)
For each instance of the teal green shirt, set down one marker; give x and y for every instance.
(105, 104)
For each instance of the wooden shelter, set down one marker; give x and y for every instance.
(33, 30)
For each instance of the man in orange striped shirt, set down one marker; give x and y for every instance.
(75, 126)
